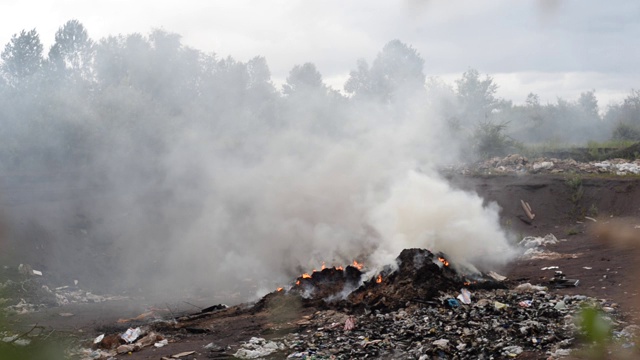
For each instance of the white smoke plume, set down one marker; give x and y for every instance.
(192, 174)
(309, 199)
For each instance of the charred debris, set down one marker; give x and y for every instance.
(419, 277)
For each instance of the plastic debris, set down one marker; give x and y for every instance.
(98, 339)
(161, 343)
(453, 303)
(350, 323)
(525, 303)
(560, 305)
(131, 335)
(258, 348)
(499, 306)
(465, 296)
(527, 287)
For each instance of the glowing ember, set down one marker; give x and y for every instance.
(357, 265)
(323, 267)
(379, 279)
(298, 282)
(279, 289)
(306, 276)
(444, 261)
(340, 268)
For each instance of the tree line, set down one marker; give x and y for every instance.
(85, 99)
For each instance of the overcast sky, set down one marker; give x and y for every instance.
(550, 47)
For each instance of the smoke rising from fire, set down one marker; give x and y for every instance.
(211, 181)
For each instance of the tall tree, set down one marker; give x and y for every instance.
(303, 78)
(22, 57)
(72, 52)
(396, 72)
(476, 96)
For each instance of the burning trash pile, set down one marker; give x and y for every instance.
(421, 309)
(518, 164)
(425, 309)
(419, 277)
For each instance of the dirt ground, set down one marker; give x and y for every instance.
(602, 254)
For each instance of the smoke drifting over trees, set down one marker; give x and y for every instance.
(136, 161)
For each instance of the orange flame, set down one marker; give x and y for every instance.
(340, 268)
(306, 276)
(379, 279)
(279, 289)
(298, 282)
(323, 266)
(357, 265)
(444, 261)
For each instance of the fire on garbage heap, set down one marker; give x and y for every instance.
(421, 309)
(419, 278)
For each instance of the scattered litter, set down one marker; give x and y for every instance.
(350, 323)
(213, 347)
(465, 296)
(496, 276)
(525, 303)
(258, 348)
(560, 305)
(65, 314)
(550, 267)
(543, 165)
(131, 335)
(536, 241)
(36, 272)
(183, 354)
(149, 339)
(587, 267)
(590, 218)
(453, 303)
(499, 306)
(560, 280)
(98, 339)
(161, 343)
(528, 287)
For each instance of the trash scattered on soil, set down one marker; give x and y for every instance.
(131, 334)
(560, 280)
(518, 164)
(258, 348)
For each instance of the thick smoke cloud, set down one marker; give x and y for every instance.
(172, 172)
